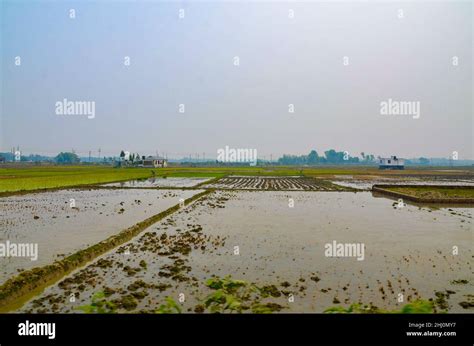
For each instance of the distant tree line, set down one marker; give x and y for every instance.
(61, 158)
(419, 161)
(26, 158)
(67, 158)
(330, 157)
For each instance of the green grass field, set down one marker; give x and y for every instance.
(32, 178)
(58, 176)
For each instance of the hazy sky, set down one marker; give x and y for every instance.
(283, 61)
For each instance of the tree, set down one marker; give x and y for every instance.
(334, 156)
(424, 161)
(122, 154)
(313, 157)
(293, 160)
(67, 158)
(368, 157)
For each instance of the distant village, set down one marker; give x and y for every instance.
(129, 159)
(135, 160)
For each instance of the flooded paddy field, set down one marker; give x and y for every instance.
(272, 183)
(160, 182)
(64, 221)
(277, 240)
(366, 183)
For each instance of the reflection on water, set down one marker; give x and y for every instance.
(364, 184)
(408, 251)
(48, 220)
(160, 182)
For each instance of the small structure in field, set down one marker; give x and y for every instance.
(391, 163)
(152, 162)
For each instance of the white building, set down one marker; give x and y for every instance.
(152, 162)
(392, 163)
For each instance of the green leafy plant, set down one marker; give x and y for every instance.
(99, 305)
(229, 295)
(170, 307)
(236, 296)
(419, 306)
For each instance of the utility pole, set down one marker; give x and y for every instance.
(90, 152)
(99, 154)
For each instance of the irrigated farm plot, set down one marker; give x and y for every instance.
(160, 182)
(367, 183)
(62, 222)
(258, 238)
(273, 184)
